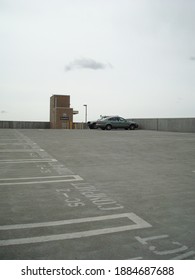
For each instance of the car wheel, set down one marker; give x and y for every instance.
(93, 126)
(108, 127)
(132, 127)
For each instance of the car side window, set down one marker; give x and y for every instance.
(113, 119)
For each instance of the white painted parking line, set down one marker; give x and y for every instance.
(131, 216)
(32, 178)
(20, 150)
(27, 160)
(14, 144)
(73, 179)
(12, 139)
(138, 223)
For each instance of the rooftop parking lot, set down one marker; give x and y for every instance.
(93, 194)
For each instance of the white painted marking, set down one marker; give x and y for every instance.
(184, 256)
(73, 179)
(138, 223)
(20, 150)
(167, 252)
(12, 139)
(152, 248)
(131, 216)
(143, 240)
(14, 144)
(27, 160)
(32, 178)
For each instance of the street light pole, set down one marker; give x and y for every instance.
(85, 105)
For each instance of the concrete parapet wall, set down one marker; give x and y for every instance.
(78, 125)
(168, 124)
(23, 124)
(37, 125)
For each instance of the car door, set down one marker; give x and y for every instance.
(114, 122)
(122, 123)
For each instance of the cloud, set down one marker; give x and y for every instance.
(86, 63)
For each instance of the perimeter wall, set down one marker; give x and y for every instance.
(167, 124)
(22, 124)
(161, 124)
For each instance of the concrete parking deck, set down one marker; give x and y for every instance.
(92, 194)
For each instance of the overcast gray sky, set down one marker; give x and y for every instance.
(134, 58)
